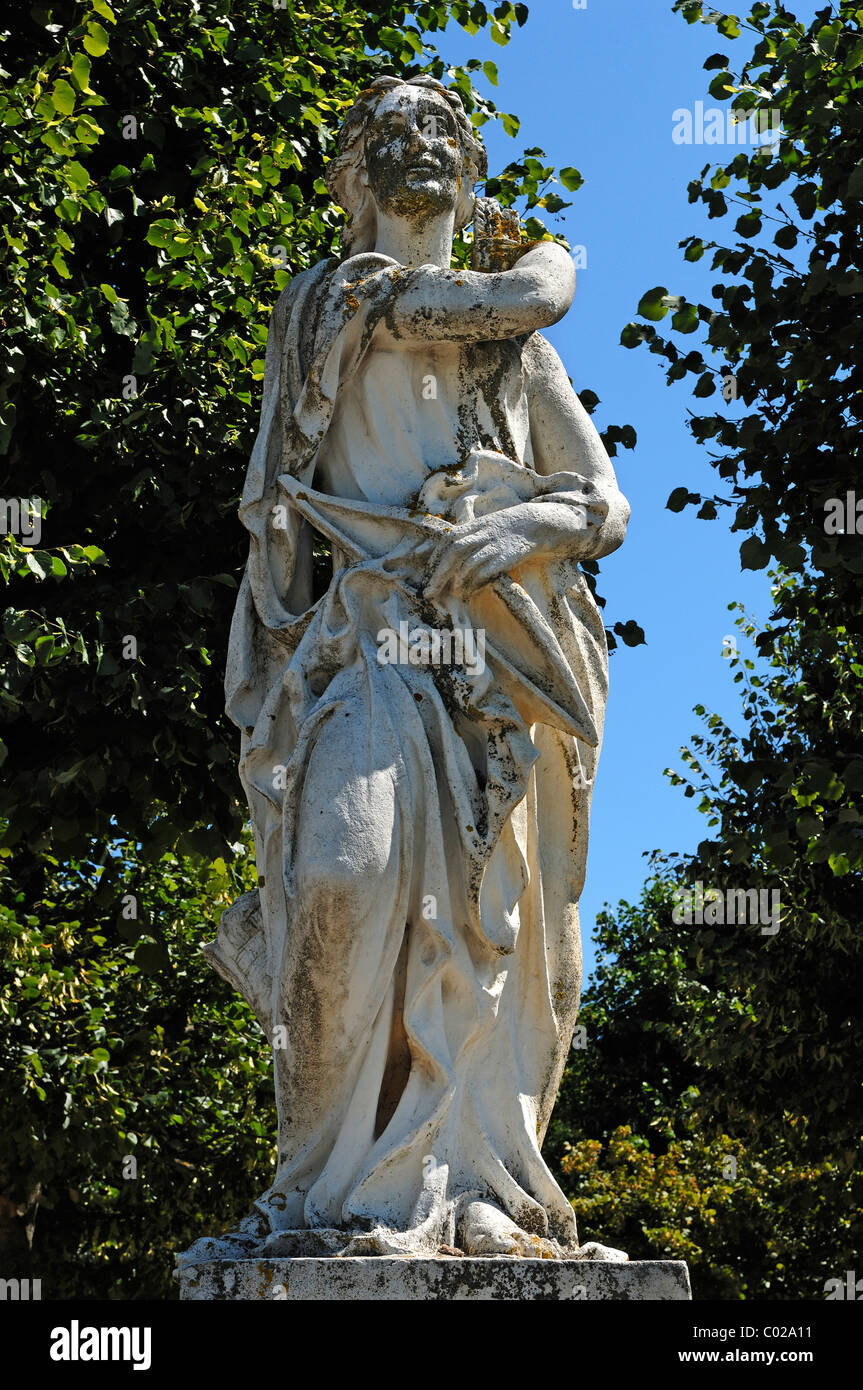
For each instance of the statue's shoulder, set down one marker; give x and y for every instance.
(308, 287)
(536, 352)
(541, 365)
(302, 286)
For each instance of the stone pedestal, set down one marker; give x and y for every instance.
(398, 1278)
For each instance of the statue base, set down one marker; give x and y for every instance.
(399, 1278)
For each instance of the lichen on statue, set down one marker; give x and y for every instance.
(413, 951)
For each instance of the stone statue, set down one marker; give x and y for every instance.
(421, 726)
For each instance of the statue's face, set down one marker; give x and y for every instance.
(413, 158)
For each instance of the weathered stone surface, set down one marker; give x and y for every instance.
(420, 727)
(402, 1278)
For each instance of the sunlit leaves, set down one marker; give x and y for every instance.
(652, 304)
(169, 157)
(782, 801)
(96, 40)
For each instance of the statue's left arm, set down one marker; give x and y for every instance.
(565, 440)
(587, 522)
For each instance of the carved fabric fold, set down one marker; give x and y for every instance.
(421, 832)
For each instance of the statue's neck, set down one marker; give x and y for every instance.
(429, 243)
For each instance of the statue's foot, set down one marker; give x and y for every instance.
(244, 1243)
(594, 1251)
(486, 1230)
(231, 1246)
(313, 1243)
(377, 1242)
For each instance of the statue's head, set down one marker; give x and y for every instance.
(406, 147)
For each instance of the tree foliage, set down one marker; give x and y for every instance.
(787, 820)
(758, 1211)
(786, 319)
(136, 1089)
(785, 802)
(161, 175)
(714, 1041)
(161, 178)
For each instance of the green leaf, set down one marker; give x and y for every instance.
(754, 554)
(69, 774)
(571, 179)
(63, 97)
(749, 224)
(96, 40)
(855, 183)
(805, 196)
(81, 71)
(650, 305)
(76, 174)
(119, 315)
(686, 319)
(631, 633)
(490, 71)
(728, 27)
(44, 647)
(38, 566)
(632, 335)
(854, 56)
(678, 499)
(722, 85)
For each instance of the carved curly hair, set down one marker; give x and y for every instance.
(342, 174)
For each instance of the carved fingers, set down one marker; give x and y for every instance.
(474, 554)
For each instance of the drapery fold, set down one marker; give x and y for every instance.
(420, 830)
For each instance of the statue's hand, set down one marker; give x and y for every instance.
(497, 239)
(475, 553)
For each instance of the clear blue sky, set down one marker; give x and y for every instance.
(596, 88)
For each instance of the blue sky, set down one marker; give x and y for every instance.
(597, 88)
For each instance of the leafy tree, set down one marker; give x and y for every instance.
(795, 1050)
(757, 1214)
(786, 320)
(136, 1091)
(162, 177)
(162, 180)
(787, 327)
(769, 1022)
(787, 807)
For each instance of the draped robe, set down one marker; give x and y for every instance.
(413, 949)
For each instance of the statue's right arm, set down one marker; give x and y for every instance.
(439, 305)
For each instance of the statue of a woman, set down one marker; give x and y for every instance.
(419, 740)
